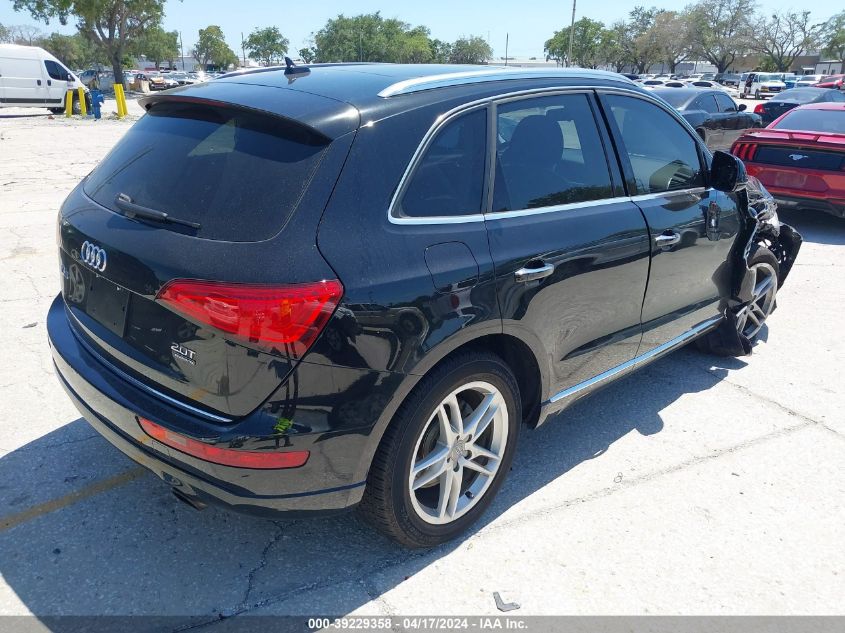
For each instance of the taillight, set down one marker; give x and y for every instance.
(745, 151)
(287, 315)
(226, 456)
(758, 109)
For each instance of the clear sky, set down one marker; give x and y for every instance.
(529, 24)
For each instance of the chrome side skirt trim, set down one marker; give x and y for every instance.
(634, 362)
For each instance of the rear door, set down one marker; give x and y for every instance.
(714, 124)
(692, 226)
(23, 81)
(735, 122)
(569, 248)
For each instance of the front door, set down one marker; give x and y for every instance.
(57, 84)
(570, 250)
(692, 226)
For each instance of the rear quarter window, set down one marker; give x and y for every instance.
(240, 175)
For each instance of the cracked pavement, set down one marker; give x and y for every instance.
(700, 485)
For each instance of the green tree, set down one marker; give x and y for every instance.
(668, 39)
(720, 30)
(267, 46)
(75, 51)
(782, 37)
(158, 45)
(440, 51)
(371, 38)
(470, 50)
(111, 24)
(211, 48)
(586, 45)
(833, 37)
(307, 54)
(610, 45)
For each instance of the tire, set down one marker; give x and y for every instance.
(57, 110)
(751, 319)
(736, 335)
(757, 94)
(421, 517)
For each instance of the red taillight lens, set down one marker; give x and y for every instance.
(290, 315)
(758, 109)
(225, 456)
(744, 151)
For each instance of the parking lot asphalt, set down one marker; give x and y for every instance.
(700, 485)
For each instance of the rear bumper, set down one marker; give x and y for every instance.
(819, 190)
(325, 484)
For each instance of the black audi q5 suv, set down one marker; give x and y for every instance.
(303, 290)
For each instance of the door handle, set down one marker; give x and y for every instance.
(533, 273)
(49, 82)
(667, 238)
(39, 81)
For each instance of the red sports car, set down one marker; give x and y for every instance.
(831, 81)
(800, 157)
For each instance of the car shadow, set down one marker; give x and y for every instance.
(131, 548)
(27, 116)
(816, 226)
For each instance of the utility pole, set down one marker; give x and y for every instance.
(182, 51)
(243, 48)
(571, 35)
(507, 38)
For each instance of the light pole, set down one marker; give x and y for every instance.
(571, 35)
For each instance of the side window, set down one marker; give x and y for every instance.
(449, 179)
(55, 70)
(726, 104)
(663, 155)
(548, 152)
(706, 103)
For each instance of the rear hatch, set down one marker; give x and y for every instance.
(244, 191)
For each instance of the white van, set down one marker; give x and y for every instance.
(32, 77)
(761, 85)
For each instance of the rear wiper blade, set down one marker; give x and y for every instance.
(132, 210)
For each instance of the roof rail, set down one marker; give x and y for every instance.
(501, 73)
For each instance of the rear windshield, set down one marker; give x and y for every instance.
(674, 99)
(238, 174)
(814, 121)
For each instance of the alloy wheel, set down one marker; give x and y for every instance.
(458, 453)
(751, 318)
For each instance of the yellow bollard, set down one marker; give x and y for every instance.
(82, 109)
(120, 97)
(69, 103)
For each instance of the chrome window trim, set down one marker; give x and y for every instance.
(569, 206)
(668, 194)
(448, 116)
(503, 73)
(637, 360)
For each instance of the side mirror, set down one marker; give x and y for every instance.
(742, 107)
(727, 172)
(69, 77)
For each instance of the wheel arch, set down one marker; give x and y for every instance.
(519, 354)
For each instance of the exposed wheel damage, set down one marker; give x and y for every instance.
(762, 230)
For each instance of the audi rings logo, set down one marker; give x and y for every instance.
(93, 255)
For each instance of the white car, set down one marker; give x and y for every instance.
(761, 85)
(31, 77)
(808, 80)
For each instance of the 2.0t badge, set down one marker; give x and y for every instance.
(183, 353)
